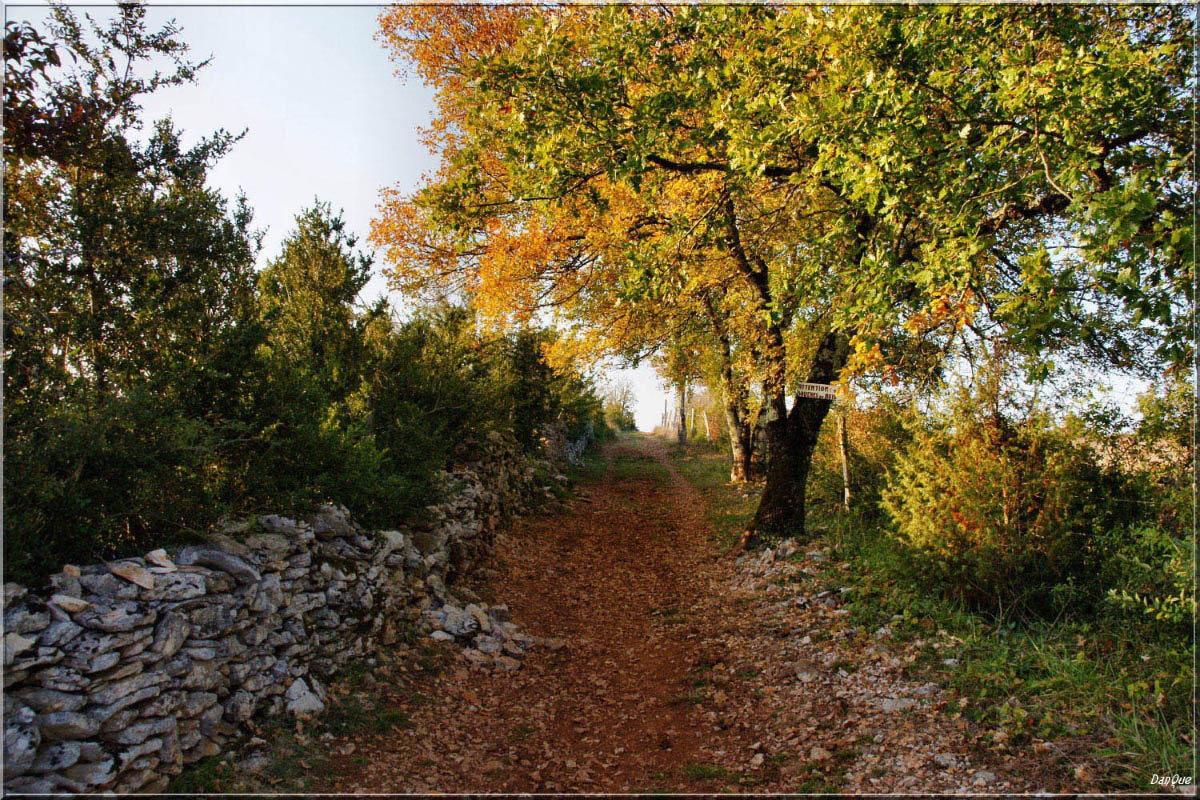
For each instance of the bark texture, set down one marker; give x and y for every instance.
(791, 441)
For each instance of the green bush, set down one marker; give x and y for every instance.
(83, 486)
(1005, 511)
(1151, 575)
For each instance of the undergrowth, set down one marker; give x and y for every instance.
(1113, 692)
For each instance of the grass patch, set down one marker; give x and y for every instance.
(206, 776)
(729, 507)
(669, 615)
(708, 772)
(590, 468)
(631, 466)
(521, 731)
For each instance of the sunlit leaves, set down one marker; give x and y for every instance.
(878, 161)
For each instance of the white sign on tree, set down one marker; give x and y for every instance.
(821, 391)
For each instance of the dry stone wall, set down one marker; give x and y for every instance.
(118, 675)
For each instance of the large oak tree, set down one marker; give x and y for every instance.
(878, 182)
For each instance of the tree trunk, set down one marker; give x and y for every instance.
(791, 440)
(737, 416)
(844, 451)
(682, 414)
(707, 427)
(741, 449)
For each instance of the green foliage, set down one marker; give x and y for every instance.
(876, 433)
(154, 382)
(1153, 573)
(128, 302)
(1165, 450)
(618, 407)
(1006, 510)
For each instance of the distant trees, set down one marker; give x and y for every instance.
(619, 403)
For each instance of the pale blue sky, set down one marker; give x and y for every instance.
(325, 115)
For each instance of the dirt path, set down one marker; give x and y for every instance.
(683, 671)
(620, 576)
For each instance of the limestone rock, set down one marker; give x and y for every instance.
(477, 658)
(489, 645)
(271, 544)
(507, 663)
(24, 620)
(170, 633)
(891, 705)
(62, 678)
(480, 616)
(21, 737)
(217, 559)
(213, 620)
(459, 623)
(301, 700)
(332, 521)
(160, 559)
(268, 595)
(69, 604)
(133, 573)
(95, 774)
(105, 713)
(119, 689)
(177, 586)
(14, 645)
(108, 585)
(239, 707)
(136, 734)
(281, 525)
(59, 632)
(57, 757)
(44, 701)
(67, 725)
(127, 757)
(115, 617)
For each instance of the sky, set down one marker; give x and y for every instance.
(326, 117)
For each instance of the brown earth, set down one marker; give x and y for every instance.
(684, 671)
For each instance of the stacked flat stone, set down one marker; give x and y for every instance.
(118, 675)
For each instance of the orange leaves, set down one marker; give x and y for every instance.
(511, 267)
(866, 357)
(950, 306)
(421, 259)
(438, 39)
